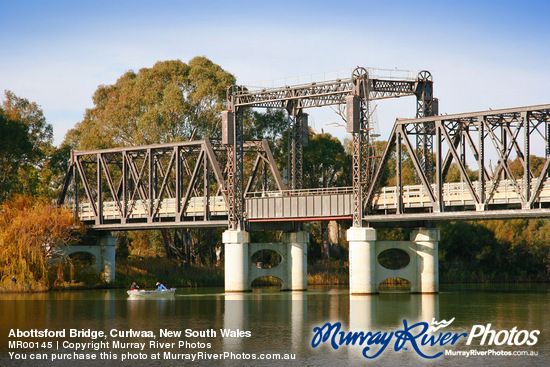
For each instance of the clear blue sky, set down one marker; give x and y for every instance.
(483, 54)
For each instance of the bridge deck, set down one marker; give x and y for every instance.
(324, 204)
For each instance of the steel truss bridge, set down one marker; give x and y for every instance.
(355, 93)
(235, 183)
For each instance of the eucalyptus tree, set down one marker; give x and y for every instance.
(25, 147)
(326, 164)
(171, 101)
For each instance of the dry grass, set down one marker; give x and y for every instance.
(328, 273)
(146, 271)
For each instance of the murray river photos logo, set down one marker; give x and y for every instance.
(421, 337)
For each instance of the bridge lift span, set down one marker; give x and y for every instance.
(355, 93)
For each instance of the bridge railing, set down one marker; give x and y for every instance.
(301, 192)
(140, 208)
(316, 203)
(457, 193)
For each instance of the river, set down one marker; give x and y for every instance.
(268, 324)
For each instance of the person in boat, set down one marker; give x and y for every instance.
(134, 286)
(160, 286)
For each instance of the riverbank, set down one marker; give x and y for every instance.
(147, 270)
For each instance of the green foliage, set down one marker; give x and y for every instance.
(25, 146)
(146, 271)
(326, 163)
(15, 147)
(271, 125)
(29, 113)
(145, 243)
(266, 259)
(394, 259)
(389, 173)
(536, 165)
(454, 175)
(493, 251)
(172, 101)
(54, 171)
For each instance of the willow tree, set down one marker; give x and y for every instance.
(172, 101)
(31, 232)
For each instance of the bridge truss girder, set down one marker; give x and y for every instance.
(144, 178)
(468, 140)
(296, 98)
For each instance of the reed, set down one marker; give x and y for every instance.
(146, 271)
(323, 272)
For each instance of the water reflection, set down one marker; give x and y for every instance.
(372, 312)
(236, 309)
(386, 312)
(298, 318)
(271, 316)
(282, 322)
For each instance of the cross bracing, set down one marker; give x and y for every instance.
(355, 92)
(137, 185)
(469, 141)
(318, 94)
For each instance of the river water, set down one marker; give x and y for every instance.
(268, 324)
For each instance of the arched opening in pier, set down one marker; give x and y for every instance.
(266, 259)
(82, 259)
(394, 259)
(81, 267)
(396, 284)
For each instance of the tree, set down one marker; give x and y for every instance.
(30, 114)
(326, 164)
(172, 101)
(271, 125)
(15, 149)
(536, 165)
(25, 146)
(31, 232)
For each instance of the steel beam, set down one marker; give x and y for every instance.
(316, 94)
(153, 176)
(453, 138)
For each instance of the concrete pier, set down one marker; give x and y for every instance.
(240, 272)
(427, 248)
(104, 254)
(297, 265)
(237, 259)
(366, 273)
(362, 260)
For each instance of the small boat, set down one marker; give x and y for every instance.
(165, 293)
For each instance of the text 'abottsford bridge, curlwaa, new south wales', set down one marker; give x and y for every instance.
(232, 182)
